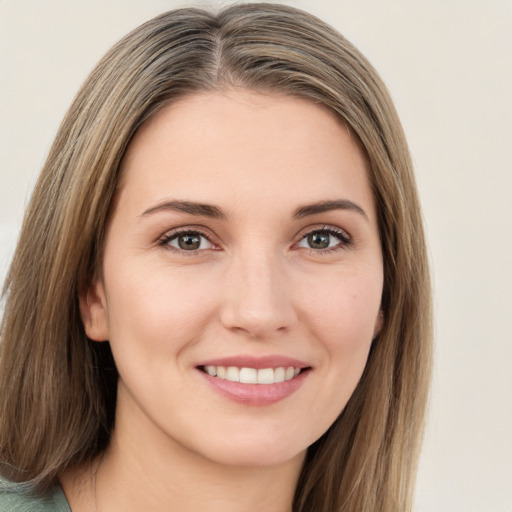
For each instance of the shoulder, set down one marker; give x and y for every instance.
(18, 498)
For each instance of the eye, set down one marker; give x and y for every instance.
(188, 241)
(325, 238)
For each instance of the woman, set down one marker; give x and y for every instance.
(220, 296)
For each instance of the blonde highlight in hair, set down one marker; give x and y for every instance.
(58, 388)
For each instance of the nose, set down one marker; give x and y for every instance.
(258, 297)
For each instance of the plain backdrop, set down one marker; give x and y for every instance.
(449, 68)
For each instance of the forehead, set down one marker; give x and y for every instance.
(249, 145)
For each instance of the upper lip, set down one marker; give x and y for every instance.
(257, 362)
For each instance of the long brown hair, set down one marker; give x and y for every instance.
(58, 389)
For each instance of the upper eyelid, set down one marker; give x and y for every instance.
(201, 230)
(324, 227)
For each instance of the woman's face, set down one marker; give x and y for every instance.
(243, 247)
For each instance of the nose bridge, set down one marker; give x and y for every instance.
(257, 296)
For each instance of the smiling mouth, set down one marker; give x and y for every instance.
(245, 375)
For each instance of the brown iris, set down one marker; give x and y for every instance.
(189, 241)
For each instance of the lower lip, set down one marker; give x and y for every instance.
(256, 394)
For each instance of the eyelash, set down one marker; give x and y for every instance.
(165, 240)
(344, 240)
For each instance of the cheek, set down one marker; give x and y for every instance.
(155, 316)
(343, 316)
(156, 310)
(345, 307)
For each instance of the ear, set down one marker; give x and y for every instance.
(93, 310)
(379, 322)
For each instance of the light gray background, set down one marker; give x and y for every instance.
(448, 66)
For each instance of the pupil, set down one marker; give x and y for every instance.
(189, 242)
(318, 240)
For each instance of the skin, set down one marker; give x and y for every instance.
(254, 287)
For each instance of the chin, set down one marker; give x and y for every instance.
(258, 451)
(261, 458)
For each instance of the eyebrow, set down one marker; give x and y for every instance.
(327, 206)
(214, 212)
(204, 210)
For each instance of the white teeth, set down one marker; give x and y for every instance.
(266, 376)
(252, 375)
(279, 374)
(289, 373)
(232, 374)
(211, 370)
(248, 375)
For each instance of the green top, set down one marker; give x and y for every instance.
(18, 498)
